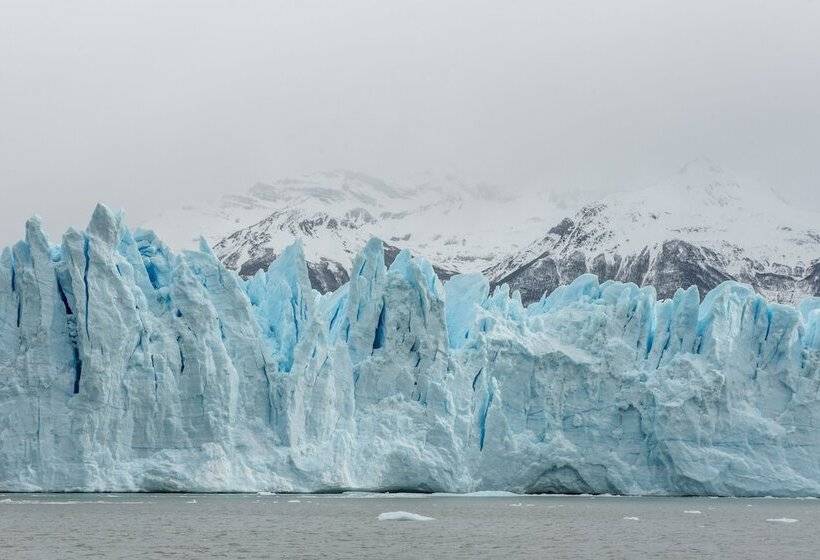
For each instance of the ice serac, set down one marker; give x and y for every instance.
(124, 366)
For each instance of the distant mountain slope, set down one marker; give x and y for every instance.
(697, 228)
(459, 227)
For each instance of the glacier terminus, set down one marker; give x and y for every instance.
(126, 367)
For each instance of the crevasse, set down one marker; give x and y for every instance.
(126, 367)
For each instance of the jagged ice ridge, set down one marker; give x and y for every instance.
(126, 367)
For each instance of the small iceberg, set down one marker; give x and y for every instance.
(403, 516)
(782, 520)
(693, 511)
(632, 518)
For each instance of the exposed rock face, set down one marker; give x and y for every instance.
(667, 268)
(126, 367)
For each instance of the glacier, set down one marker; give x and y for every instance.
(126, 367)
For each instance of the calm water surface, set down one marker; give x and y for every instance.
(69, 526)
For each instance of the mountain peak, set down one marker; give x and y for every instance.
(701, 181)
(701, 166)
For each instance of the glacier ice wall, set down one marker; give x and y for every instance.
(126, 367)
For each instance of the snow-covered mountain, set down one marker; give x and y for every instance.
(458, 226)
(699, 227)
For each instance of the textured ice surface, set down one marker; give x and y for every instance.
(126, 367)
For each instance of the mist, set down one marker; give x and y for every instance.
(146, 104)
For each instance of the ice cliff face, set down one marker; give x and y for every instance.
(126, 367)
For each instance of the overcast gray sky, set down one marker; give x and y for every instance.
(142, 104)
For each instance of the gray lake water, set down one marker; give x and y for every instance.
(69, 526)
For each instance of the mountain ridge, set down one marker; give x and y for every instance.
(699, 226)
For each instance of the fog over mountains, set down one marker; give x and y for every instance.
(700, 226)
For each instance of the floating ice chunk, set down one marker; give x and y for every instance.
(782, 520)
(191, 502)
(693, 511)
(403, 516)
(632, 518)
(294, 501)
